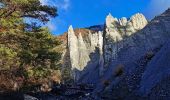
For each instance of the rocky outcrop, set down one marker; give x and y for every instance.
(117, 30)
(93, 49)
(96, 54)
(73, 49)
(145, 67)
(124, 56)
(158, 68)
(82, 51)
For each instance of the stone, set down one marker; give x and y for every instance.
(138, 21)
(28, 97)
(82, 51)
(87, 51)
(117, 31)
(73, 50)
(95, 53)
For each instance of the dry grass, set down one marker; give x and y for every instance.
(10, 83)
(56, 77)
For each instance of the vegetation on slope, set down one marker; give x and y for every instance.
(27, 54)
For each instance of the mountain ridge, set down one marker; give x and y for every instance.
(95, 56)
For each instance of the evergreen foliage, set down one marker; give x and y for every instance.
(27, 50)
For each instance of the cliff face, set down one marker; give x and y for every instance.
(93, 52)
(122, 56)
(143, 63)
(85, 50)
(157, 69)
(116, 33)
(94, 49)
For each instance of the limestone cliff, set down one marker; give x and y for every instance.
(117, 32)
(122, 56)
(96, 47)
(142, 64)
(84, 49)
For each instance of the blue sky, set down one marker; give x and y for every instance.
(83, 13)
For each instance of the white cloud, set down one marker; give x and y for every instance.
(61, 4)
(51, 26)
(44, 2)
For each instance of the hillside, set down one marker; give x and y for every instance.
(120, 59)
(122, 51)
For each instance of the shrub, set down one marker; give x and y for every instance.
(10, 82)
(149, 55)
(106, 82)
(56, 76)
(119, 70)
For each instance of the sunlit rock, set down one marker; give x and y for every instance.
(117, 31)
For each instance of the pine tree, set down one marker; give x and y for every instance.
(26, 50)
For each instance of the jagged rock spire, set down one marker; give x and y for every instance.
(117, 30)
(123, 21)
(110, 20)
(71, 35)
(138, 21)
(73, 47)
(70, 28)
(83, 53)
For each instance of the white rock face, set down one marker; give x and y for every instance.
(123, 42)
(117, 31)
(138, 21)
(139, 73)
(73, 51)
(123, 21)
(85, 54)
(111, 30)
(101, 60)
(73, 48)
